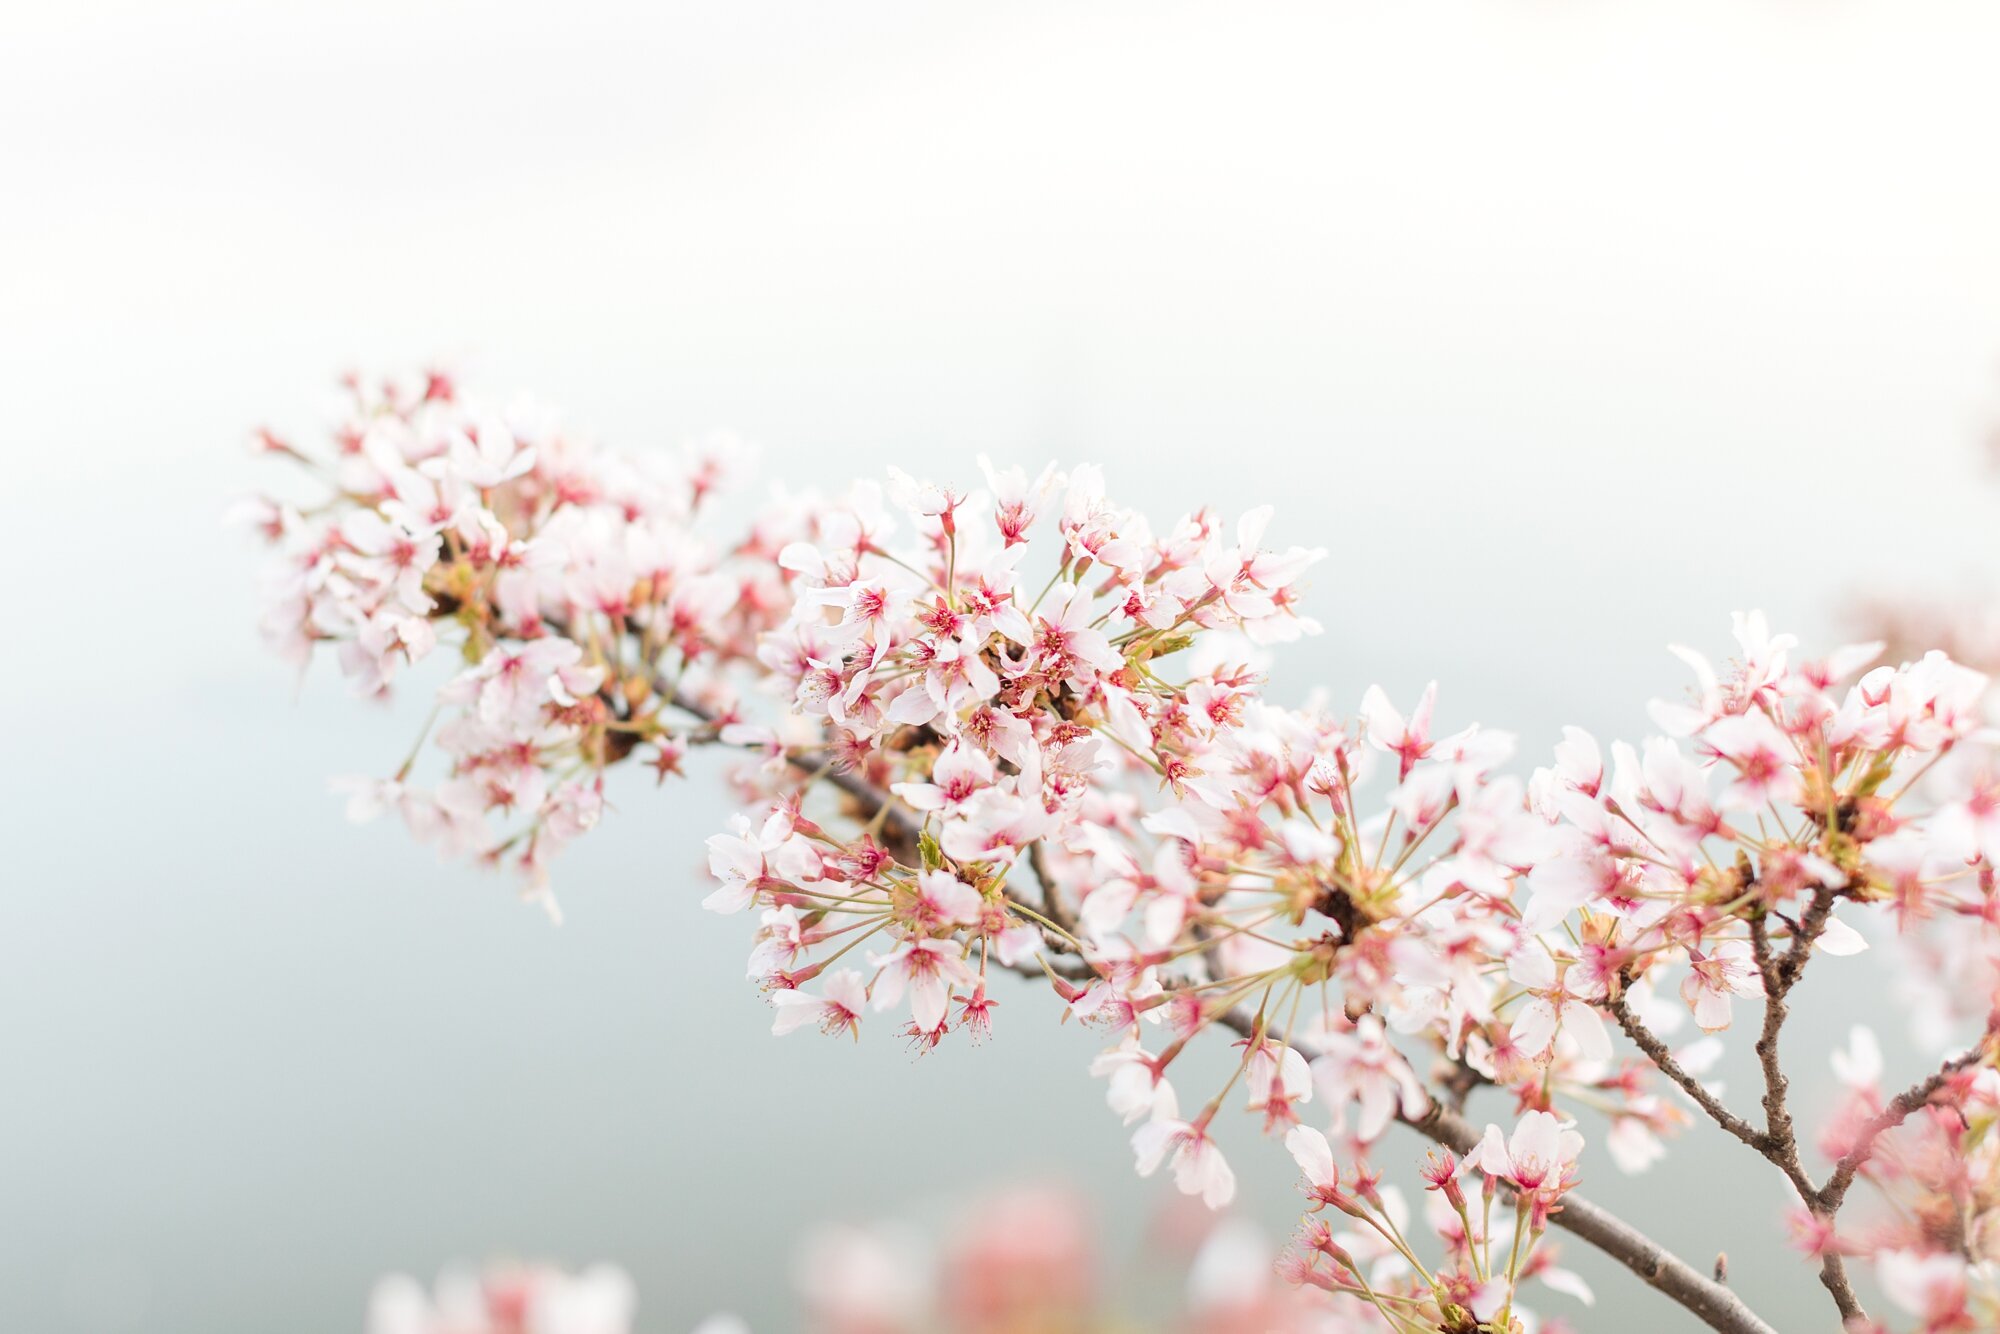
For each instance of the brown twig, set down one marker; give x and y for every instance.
(1780, 974)
(1054, 907)
(1658, 1053)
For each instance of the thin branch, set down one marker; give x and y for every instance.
(1811, 924)
(1053, 904)
(1780, 1138)
(1708, 1299)
(1780, 974)
(1657, 1052)
(900, 823)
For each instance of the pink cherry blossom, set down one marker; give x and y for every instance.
(1552, 1007)
(1539, 1157)
(1361, 1067)
(1713, 978)
(748, 863)
(928, 969)
(837, 1011)
(1199, 1168)
(1408, 739)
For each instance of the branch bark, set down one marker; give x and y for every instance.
(1780, 974)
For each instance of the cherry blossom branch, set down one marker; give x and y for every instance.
(1777, 1142)
(1200, 856)
(810, 762)
(1704, 1297)
(1710, 1301)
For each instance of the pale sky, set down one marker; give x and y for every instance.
(1570, 327)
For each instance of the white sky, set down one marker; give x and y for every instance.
(1570, 326)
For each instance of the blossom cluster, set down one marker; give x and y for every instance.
(1018, 727)
(996, 721)
(567, 582)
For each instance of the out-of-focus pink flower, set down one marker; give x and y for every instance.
(507, 1299)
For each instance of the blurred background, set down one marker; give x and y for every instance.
(1569, 326)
